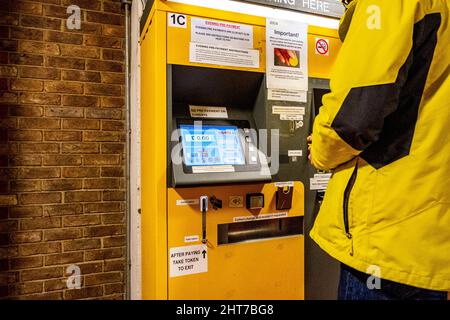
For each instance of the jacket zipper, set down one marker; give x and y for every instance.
(348, 190)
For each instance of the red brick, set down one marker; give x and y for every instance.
(111, 66)
(25, 135)
(40, 248)
(101, 159)
(113, 31)
(25, 185)
(8, 71)
(102, 136)
(85, 76)
(82, 124)
(26, 237)
(55, 284)
(81, 244)
(39, 148)
(39, 173)
(102, 278)
(105, 42)
(115, 241)
(80, 101)
(80, 172)
(62, 135)
(83, 293)
(42, 273)
(102, 207)
(26, 85)
(8, 200)
(40, 198)
(111, 54)
(104, 254)
(64, 112)
(61, 160)
(9, 45)
(26, 33)
(40, 47)
(39, 123)
(9, 19)
(8, 226)
(40, 22)
(113, 218)
(64, 62)
(80, 148)
(86, 28)
(56, 11)
(113, 78)
(26, 7)
(63, 209)
(26, 263)
(63, 87)
(103, 89)
(113, 195)
(61, 184)
(80, 51)
(102, 183)
(25, 111)
(43, 296)
(25, 212)
(40, 223)
(114, 288)
(82, 196)
(81, 220)
(63, 37)
(102, 231)
(26, 59)
(84, 4)
(113, 125)
(112, 148)
(62, 234)
(25, 288)
(115, 265)
(63, 258)
(104, 18)
(99, 113)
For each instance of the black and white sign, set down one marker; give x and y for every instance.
(330, 8)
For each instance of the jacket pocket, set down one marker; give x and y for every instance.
(347, 192)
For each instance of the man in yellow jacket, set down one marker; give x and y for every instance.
(383, 132)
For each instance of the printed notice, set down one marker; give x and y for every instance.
(295, 153)
(224, 56)
(288, 110)
(287, 95)
(291, 117)
(188, 239)
(221, 33)
(287, 55)
(188, 260)
(187, 202)
(208, 112)
(261, 217)
(320, 181)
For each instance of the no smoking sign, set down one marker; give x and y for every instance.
(322, 47)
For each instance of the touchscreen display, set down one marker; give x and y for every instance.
(211, 145)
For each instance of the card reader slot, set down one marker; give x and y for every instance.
(258, 230)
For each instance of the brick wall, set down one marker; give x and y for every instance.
(61, 149)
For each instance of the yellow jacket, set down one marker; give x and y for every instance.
(384, 133)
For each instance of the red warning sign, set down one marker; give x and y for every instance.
(322, 47)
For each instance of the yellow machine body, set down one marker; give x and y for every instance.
(270, 268)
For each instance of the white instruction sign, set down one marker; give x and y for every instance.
(291, 110)
(221, 33)
(287, 95)
(261, 217)
(224, 56)
(287, 55)
(188, 260)
(320, 181)
(208, 112)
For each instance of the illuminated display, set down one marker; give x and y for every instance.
(211, 145)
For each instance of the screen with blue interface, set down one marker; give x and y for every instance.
(211, 145)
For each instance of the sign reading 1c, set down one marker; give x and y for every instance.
(176, 20)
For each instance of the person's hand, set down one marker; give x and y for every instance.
(309, 139)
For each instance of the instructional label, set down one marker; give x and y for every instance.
(287, 95)
(287, 110)
(320, 181)
(188, 239)
(287, 55)
(212, 169)
(208, 112)
(284, 184)
(187, 202)
(222, 55)
(221, 33)
(188, 260)
(295, 153)
(261, 217)
(291, 117)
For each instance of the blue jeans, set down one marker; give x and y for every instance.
(353, 286)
